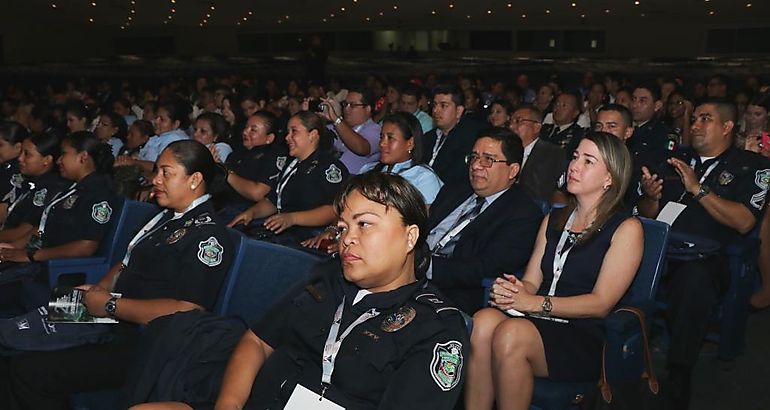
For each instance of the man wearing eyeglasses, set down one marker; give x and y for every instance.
(445, 145)
(484, 229)
(542, 162)
(358, 136)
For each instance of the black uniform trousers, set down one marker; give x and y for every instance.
(693, 291)
(46, 380)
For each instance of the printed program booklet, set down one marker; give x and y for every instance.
(66, 306)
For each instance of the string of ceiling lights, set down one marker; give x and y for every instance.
(347, 11)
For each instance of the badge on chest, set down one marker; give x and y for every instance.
(398, 320)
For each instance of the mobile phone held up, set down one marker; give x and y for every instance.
(764, 140)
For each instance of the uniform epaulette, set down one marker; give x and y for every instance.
(435, 302)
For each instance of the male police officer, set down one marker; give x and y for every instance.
(714, 197)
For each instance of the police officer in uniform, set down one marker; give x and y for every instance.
(11, 135)
(718, 196)
(253, 170)
(371, 335)
(176, 262)
(651, 143)
(565, 130)
(42, 183)
(75, 221)
(305, 189)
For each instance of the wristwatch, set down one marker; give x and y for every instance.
(338, 121)
(111, 306)
(703, 191)
(547, 306)
(31, 254)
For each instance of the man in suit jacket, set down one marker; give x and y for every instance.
(484, 229)
(445, 147)
(542, 163)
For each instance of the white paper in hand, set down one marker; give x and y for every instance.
(304, 399)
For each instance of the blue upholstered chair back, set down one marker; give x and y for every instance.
(266, 272)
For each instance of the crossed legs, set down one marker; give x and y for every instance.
(506, 355)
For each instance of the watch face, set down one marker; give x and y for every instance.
(110, 307)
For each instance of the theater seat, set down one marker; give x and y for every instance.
(266, 273)
(132, 216)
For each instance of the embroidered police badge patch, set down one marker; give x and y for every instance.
(397, 321)
(447, 364)
(70, 201)
(210, 252)
(204, 220)
(333, 174)
(101, 212)
(39, 198)
(280, 162)
(762, 181)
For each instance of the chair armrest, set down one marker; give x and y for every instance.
(93, 267)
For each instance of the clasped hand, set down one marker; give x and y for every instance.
(509, 293)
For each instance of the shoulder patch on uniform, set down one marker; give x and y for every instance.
(447, 364)
(280, 162)
(101, 212)
(210, 252)
(39, 198)
(70, 201)
(333, 174)
(762, 181)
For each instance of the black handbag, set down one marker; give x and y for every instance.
(644, 393)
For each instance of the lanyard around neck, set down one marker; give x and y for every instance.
(702, 178)
(285, 177)
(150, 228)
(560, 253)
(56, 199)
(333, 343)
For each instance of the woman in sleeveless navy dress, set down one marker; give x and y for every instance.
(584, 260)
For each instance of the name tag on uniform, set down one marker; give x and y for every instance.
(305, 399)
(670, 212)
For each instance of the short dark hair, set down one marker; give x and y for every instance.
(726, 108)
(650, 86)
(46, 144)
(178, 110)
(413, 90)
(410, 128)
(457, 96)
(366, 96)
(532, 109)
(395, 192)
(510, 143)
(624, 112)
(144, 126)
(575, 96)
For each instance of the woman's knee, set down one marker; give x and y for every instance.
(484, 323)
(514, 337)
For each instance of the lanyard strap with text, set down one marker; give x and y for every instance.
(333, 343)
(285, 177)
(149, 228)
(560, 254)
(47, 210)
(702, 178)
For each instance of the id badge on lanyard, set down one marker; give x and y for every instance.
(673, 209)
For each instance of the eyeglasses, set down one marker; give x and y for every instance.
(518, 121)
(346, 104)
(484, 160)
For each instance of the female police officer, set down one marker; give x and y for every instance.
(369, 334)
(42, 182)
(302, 196)
(74, 222)
(176, 262)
